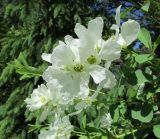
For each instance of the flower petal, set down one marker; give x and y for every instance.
(80, 30)
(116, 28)
(80, 106)
(46, 57)
(130, 31)
(84, 89)
(117, 17)
(110, 51)
(95, 26)
(62, 55)
(107, 64)
(68, 39)
(110, 80)
(121, 41)
(98, 73)
(71, 83)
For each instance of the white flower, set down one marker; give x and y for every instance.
(61, 129)
(44, 95)
(90, 38)
(40, 97)
(84, 103)
(74, 61)
(106, 121)
(93, 49)
(67, 68)
(129, 30)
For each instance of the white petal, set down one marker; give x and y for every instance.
(69, 81)
(117, 17)
(116, 28)
(95, 26)
(46, 57)
(74, 44)
(130, 31)
(121, 41)
(107, 64)
(110, 80)
(98, 73)
(80, 106)
(80, 30)
(68, 39)
(84, 89)
(62, 55)
(110, 51)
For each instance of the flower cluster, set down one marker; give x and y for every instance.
(73, 63)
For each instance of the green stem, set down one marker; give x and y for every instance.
(79, 133)
(138, 129)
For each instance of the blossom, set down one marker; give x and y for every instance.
(67, 68)
(46, 95)
(128, 32)
(106, 121)
(84, 103)
(40, 97)
(93, 49)
(61, 129)
(75, 60)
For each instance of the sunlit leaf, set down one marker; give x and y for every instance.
(156, 43)
(145, 38)
(156, 130)
(143, 58)
(146, 6)
(145, 114)
(140, 77)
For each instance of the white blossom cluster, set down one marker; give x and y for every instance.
(72, 64)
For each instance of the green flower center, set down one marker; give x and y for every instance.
(78, 67)
(43, 99)
(92, 59)
(66, 68)
(88, 100)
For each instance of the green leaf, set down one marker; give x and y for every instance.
(143, 58)
(140, 77)
(77, 18)
(145, 114)
(83, 137)
(84, 121)
(131, 93)
(114, 111)
(145, 38)
(146, 6)
(57, 10)
(156, 131)
(104, 137)
(22, 58)
(156, 43)
(125, 12)
(29, 70)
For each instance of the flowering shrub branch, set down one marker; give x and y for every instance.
(80, 83)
